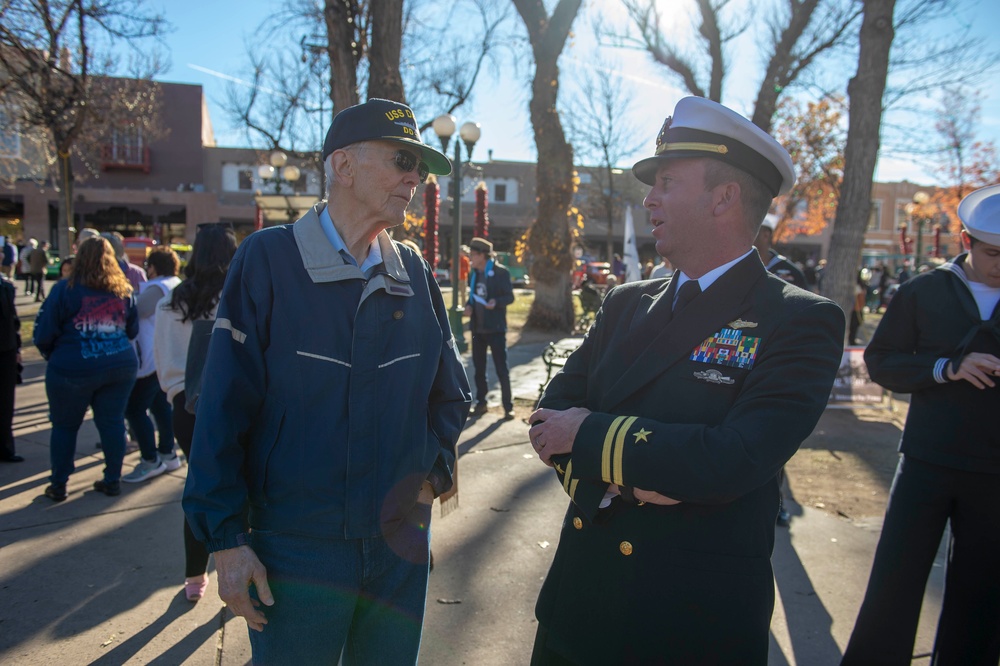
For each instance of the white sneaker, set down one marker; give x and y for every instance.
(172, 462)
(145, 471)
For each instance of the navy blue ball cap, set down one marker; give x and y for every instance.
(382, 120)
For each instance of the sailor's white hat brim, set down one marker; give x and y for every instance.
(980, 214)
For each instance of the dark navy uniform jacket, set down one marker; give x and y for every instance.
(705, 408)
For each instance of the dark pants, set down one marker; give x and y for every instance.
(923, 498)
(147, 395)
(195, 553)
(39, 285)
(106, 392)
(29, 283)
(497, 344)
(8, 380)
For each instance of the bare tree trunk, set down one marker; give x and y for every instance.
(549, 236)
(345, 52)
(865, 91)
(384, 79)
(64, 240)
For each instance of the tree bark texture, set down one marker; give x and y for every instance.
(549, 236)
(345, 51)
(384, 79)
(865, 91)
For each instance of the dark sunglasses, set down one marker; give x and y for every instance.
(406, 161)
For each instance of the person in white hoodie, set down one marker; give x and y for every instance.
(191, 304)
(162, 265)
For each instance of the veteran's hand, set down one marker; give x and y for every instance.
(237, 568)
(426, 494)
(553, 431)
(977, 368)
(491, 304)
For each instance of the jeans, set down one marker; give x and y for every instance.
(362, 599)
(497, 344)
(147, 395)
(106, 391)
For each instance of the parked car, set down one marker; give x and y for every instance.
(597, 271)
(137, 249)
(52, 270)
(443, 277)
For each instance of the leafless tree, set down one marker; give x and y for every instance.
(602, 135)
(287, 98)
(549, 237)
(798, 33)
(865, 92)
(54, 60)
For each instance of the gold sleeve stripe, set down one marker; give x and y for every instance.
(572, 489)
(609, 439)
(620, 449)
(566, 477)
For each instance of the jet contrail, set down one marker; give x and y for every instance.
(242, 82)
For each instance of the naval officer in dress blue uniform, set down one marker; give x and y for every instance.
(668, 426)
(940, 341)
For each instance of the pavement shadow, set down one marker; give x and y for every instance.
(809, 622)
(478, 553)
(179, 652)
(106, 569)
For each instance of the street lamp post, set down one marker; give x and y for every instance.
(279, 172)
(444, 127)
(919, 218)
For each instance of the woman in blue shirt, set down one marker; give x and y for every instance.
(83, 331)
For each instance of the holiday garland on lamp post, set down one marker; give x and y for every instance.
(482, 217)
(431, 206)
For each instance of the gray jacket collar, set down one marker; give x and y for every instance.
(325, 264)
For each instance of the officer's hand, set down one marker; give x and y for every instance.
(653, 497)
(553, 431)
(976, 368)
(237, 568)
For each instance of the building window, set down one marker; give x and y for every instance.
(126, 145)
(500, 193)
(245, 180)
(875, 216)
(10, 140)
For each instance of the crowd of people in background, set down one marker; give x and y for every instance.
(115, 336)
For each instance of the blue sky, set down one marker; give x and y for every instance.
(211, 37)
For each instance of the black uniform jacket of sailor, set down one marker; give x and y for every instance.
(703, 407)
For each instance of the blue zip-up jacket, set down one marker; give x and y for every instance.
(327, 398)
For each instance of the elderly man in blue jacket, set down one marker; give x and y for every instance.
(331, 404)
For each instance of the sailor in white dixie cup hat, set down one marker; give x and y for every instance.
(939, 341)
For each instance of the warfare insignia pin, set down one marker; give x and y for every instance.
(642, 434)
(742, 323)
(713, 377)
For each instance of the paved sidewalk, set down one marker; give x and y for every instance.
(97, 580)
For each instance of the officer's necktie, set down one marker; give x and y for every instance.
(686, 294)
